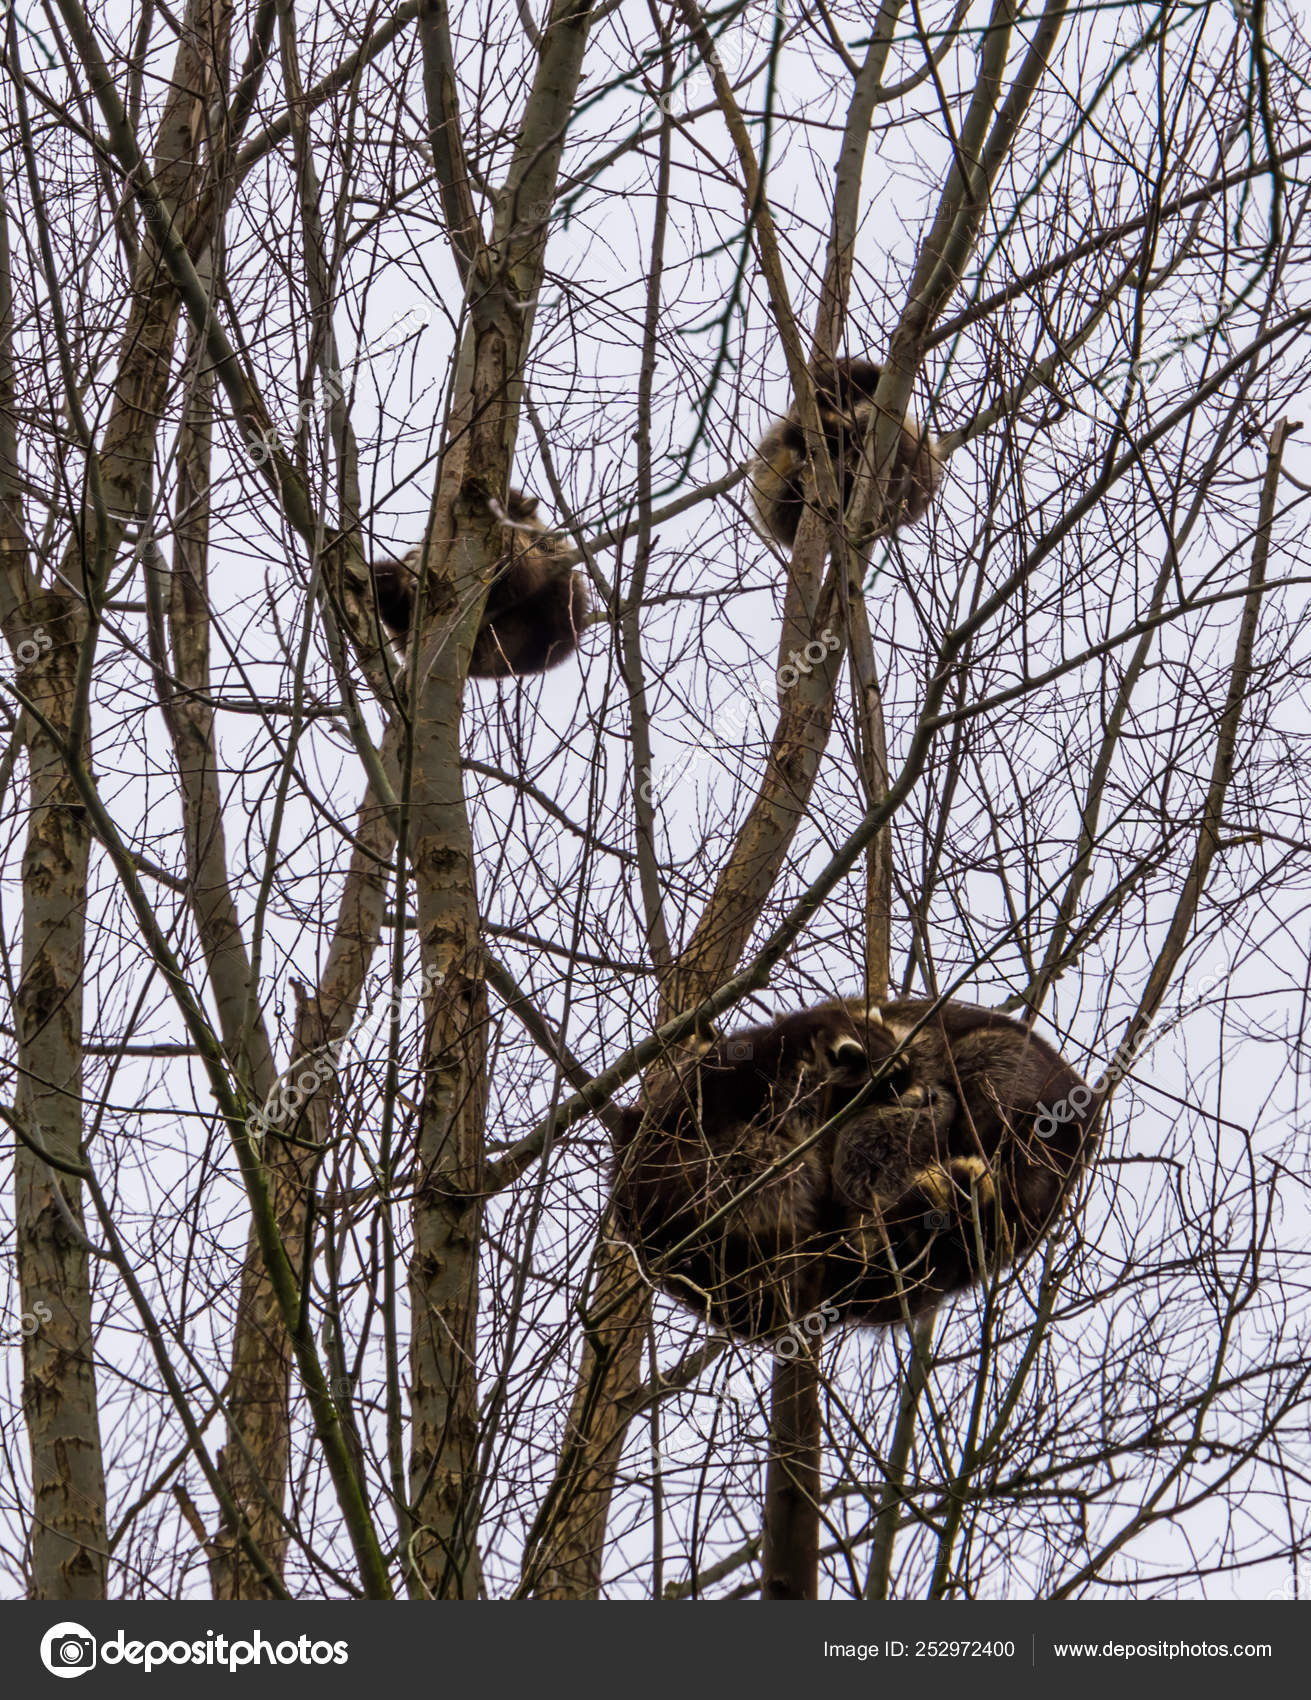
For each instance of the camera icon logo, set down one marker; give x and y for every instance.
(68, 1650)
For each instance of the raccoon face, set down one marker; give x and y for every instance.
(899, 1130)
(892, 1082)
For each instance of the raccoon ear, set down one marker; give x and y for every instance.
(847, 1052)
(859, 1011)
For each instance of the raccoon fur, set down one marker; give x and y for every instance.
(740, 1198)
(535, 609)
(779, 478)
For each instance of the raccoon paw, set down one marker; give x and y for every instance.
(971, 1175)
(950, 1186)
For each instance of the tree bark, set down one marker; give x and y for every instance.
(502, 276)
(68, 1531)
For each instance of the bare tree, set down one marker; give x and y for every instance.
(330, 964)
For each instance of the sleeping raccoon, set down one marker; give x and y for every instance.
(727, 1120)
(934, 1181)
(779, 475)
(535, 609)
(959, 1179)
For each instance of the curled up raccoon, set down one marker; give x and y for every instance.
(536, 607)
(780, 475)
(743, 1203)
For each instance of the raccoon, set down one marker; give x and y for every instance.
(779, 475)
(718, 1180)
(535, 609)
(740, 1198)
(970, 1185)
